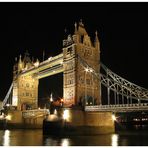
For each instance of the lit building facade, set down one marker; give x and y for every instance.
(80, 85)
(25, 88)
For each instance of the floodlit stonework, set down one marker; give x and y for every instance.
(25, 90)
(80, 85)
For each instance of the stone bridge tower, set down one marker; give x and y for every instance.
(81, 87)
(25, 88)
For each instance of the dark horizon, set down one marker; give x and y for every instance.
(122, 29)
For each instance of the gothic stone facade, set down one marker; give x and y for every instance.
(25, 88)
(81, 86)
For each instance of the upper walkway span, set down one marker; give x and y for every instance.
(51, 66)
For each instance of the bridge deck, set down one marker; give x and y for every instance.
(119, 107)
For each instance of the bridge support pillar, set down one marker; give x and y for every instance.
(92, 122)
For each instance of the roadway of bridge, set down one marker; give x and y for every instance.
(118, 108)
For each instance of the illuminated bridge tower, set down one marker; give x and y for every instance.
(25, 88)
(81, 87)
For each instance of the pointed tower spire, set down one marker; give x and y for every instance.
(15, 59)
(96, 42)
(65, 33)
(81, 23)
(75, 28)
(20, 58)
(96, 38)
(20, 64)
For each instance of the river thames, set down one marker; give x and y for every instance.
(22, 137)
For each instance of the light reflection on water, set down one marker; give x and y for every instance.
(65, 142)
(6, 138)
(114, 140)
(36, 138)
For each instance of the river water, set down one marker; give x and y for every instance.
(22, 137)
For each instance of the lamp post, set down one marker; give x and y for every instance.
(91, 71)
(51, 99)
(51, 105)
(86, 70)
(93, 94)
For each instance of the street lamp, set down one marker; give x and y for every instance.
(86, 70)
(66, 114)
(90, 71)
(113, 117)
(51, 99)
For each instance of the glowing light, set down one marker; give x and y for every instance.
(65, 142)
(49, 58)
(86, 69)
(91, 70)
(51, 99)
(39, 108)
(36, 64)
(2, 116)
(52, 117)
(7, 104)
(15, 98)
(8, 117)
(66, 114)
(55, 112)
(114, 140)
(6, 138)
(61, 62)
(114, 117)
(62, 100)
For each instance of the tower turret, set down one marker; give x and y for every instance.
(20, 64)
(75, 28)
(80, 85)
(15, 68)
(27, 61)
(96, 42)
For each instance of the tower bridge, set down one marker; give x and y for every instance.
(80, 64)
(51, 66)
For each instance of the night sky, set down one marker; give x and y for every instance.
(122, 30)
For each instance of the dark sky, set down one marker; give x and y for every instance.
(122, 30)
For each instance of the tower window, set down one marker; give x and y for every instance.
(27, 85)
(88, 81)
(81, 38)
(69, 50)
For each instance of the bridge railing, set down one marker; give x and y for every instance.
(34, 113)
(42, 64)
(118, 107)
